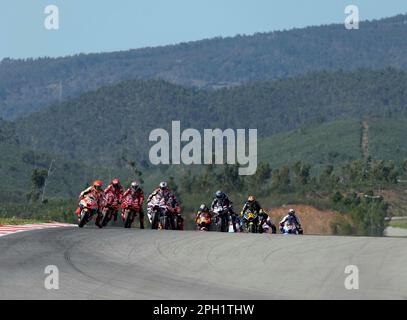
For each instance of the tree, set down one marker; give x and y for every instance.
(172, 184)
(302, 173)
(38, 179)
(259, 180)
(281, 179)
(327, 179)
(187, 181)
(366, 214)
(49, 173)
(230, 178)
(135, 171)
(207, 180)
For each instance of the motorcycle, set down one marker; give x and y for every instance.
(160, 215)
(110, 208)
(251, 220)
(130, 208)
(265, 226)
(204, 221)
(291, 228)
(89, 207)
(223, 219)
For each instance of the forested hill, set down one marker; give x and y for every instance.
(115, 121)
(28, 85)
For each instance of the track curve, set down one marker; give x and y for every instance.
(142, 264)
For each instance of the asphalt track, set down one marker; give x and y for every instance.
(134, 264)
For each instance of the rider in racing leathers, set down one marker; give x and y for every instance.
(164, 192)
(221, 199)
(94, 190)
(253, 205)
(136, 193)
(291, 217)
(203, 209)
(116, 189)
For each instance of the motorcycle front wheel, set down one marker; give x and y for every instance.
(154, 221)
(83, 218)
(128, 219)
(106, 217)
(251, 228)
(224, 224)
(165, 224)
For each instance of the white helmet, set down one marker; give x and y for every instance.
(135, 185)
(291, 211)
(163, 185)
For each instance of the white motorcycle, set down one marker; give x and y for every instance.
(291, 228)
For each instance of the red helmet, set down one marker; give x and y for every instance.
(97, 184)
(116, 182)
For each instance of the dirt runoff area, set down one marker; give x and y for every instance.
(313, 220)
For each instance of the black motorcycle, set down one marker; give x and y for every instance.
(223, 218)
(251, 221)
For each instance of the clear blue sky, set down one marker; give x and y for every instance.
(107, 25)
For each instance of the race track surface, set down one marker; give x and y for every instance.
(134, 264)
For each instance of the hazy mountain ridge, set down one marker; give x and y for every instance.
(112, 122)
(29, 85)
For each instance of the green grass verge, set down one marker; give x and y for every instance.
(19, 221)
(398, 224)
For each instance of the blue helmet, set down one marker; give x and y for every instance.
(220, 194)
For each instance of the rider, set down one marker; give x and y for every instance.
(253, 205)
(136, 193)
(116, 189)
(95, 190)
(176, 210)
(164, 192)
(203, 209)
(221, 199)
(291, 217)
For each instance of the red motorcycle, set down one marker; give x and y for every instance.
(89, 207)
(110, 208)
(130, 208)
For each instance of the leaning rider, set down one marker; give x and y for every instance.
(137, 194)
